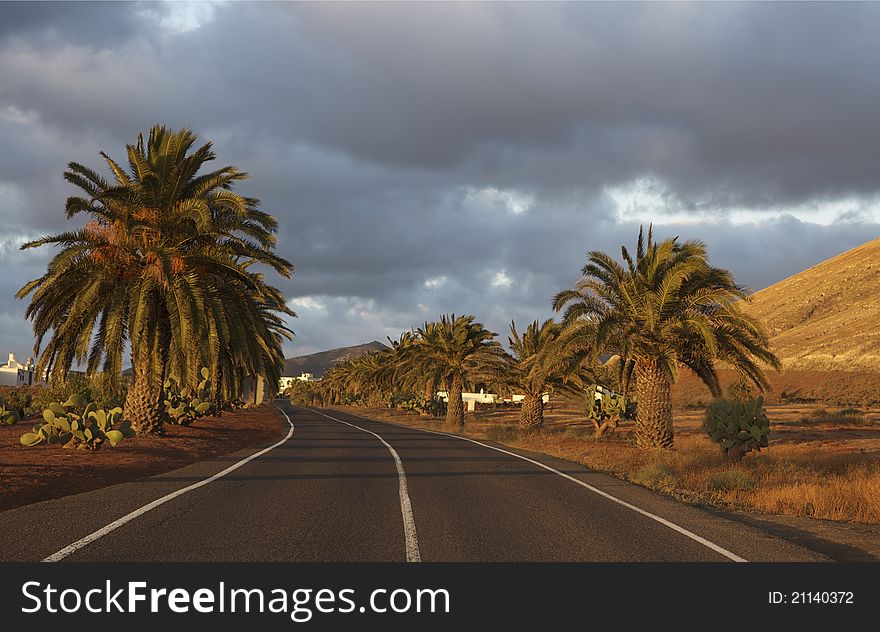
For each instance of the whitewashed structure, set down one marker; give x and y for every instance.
(472, 399)
(285, 382)
(14, 373)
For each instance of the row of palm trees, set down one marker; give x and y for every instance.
(167, 269)
(662, 308)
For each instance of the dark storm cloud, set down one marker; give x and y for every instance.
(80, 22)
(432, 157)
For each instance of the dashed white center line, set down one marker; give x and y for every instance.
(409, 523)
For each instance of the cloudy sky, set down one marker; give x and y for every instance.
(430, 158)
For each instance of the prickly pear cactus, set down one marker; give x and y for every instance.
(606, 409)
(77, 423)
(738, 427)
(8, 416)
(186, 405)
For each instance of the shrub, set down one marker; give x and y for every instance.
(740, 391)
(77, 423)
(8, 415)
(738, 427)
(16, 404)
(301, 393)
(845, 417)
(730, 481)
(435, 406)
(655, 475)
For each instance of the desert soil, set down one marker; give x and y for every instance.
(29, 475)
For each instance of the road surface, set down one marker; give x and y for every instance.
(345, 488)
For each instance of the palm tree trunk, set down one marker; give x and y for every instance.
(217, 388)
(455, 404)
(429, 395)
(143, 402)
(654, 411)
(531, 415)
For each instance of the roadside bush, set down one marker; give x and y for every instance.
(435, 406)
(845, 417)
(18, 399)
(740, 391)
(76, 423)
(8, 415)
(234, 404)
(738, 427)
(731, 481)
(301, 393)
(98, 389)
(655, 475)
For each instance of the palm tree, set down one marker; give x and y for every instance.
(454, 347)
(334, 384)
(162, 266)
(665, 308)
(412, 371)
(371, 377)
(540, 358)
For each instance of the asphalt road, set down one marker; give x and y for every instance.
(344, 488)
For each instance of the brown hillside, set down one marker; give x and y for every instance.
(318, 363)
(826, 318)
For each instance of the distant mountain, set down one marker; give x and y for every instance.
(826, 318)
(318, 363)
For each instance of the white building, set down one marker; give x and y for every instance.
(14, 373)
(285, 382)
(472, 399)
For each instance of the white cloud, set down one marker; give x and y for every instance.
(183, 17)
(500, 279)
(512, 200)
(648, 199)
(20, 117)
(307, 302)
(434, 282)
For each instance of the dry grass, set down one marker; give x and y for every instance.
(812, 468)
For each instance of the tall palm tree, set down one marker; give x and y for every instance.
(454, 347)
(334, 384)
(162, 266)
(666, 307)
(541, 358)
(371, 377)
(413, 372)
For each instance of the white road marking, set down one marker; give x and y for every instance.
(67, 550)
(409, 523)
(690, 534)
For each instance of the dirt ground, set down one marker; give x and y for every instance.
(791, 387)
(29, 475)
(791, 424)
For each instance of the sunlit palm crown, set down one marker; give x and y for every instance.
(166, 255)
(667, 305)
(453, 346)
(540, 357)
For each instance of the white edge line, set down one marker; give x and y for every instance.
(67, 550)
(690, 534)
(409, 524)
